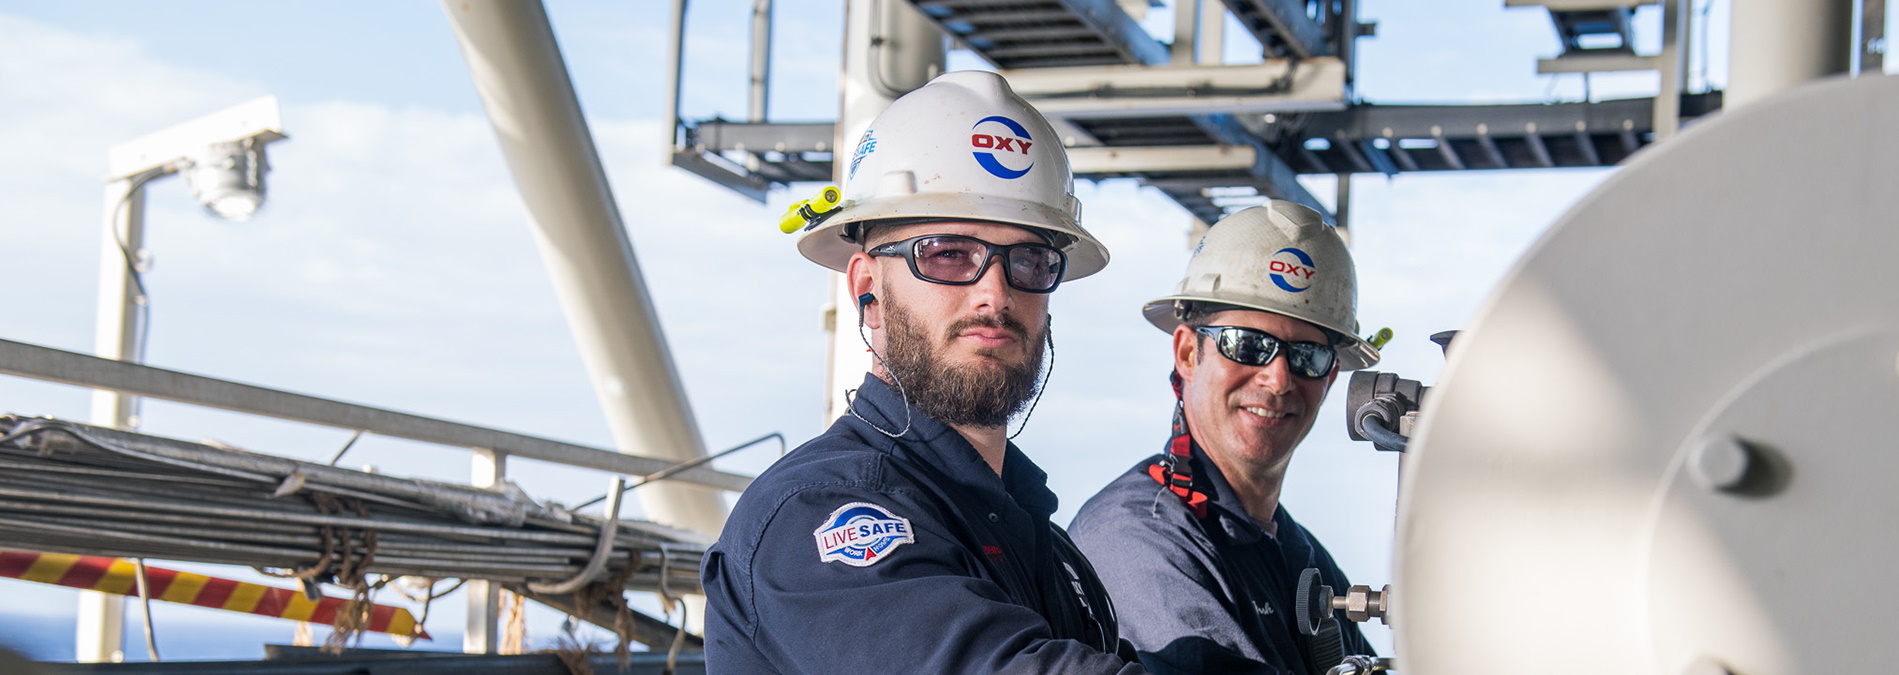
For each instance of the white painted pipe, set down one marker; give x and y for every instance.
(1783, 43)
(524, 86)
(889, 49)
(99, 632)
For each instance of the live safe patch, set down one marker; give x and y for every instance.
(861, 533)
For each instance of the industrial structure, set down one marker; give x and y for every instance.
(1173, 115)
(1168, 112)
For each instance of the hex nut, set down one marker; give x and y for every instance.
(1358, 603)
(1720, 463)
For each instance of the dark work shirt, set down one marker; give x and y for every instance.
(859, 553)
(1211, 595)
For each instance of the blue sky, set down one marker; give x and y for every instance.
(393, 266)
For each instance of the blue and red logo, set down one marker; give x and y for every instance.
(861, 533)
(865, 146)
(1292, 270)
(1001, 145)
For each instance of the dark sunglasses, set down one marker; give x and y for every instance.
(957, 260)
(1254, 347)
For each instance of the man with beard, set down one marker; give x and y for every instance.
(1203, 560)
(912, 536)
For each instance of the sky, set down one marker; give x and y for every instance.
(393, 265)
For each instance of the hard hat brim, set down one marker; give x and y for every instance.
(826, 245)
(1355, 354)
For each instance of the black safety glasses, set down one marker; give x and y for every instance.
(957, 260)
(1254, 347)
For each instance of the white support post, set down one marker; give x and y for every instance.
(675, 69)
(1677, 19)
(1789, 42)
(482, 633)
(1342, 208)
(889, 49)
(1210, 40)
(1186, 21)
(761, 60)
(100, 633)
(525, 88)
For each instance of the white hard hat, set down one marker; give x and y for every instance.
(1280, 258)
(962, 147)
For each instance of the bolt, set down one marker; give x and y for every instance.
(1720, 463)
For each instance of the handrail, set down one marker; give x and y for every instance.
(56, 365)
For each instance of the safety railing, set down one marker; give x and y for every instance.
(56, 365)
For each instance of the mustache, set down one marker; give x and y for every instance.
(1002, 321)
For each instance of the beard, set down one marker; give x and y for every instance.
(985, 394)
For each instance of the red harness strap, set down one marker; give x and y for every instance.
(1174, 471)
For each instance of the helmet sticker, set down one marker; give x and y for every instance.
(860, 534)
(865, 146)
(991, 148)
(1292, 269)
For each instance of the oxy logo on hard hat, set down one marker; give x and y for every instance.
(865, 146)
(996, 151)
(1292, 269)
(861, 533)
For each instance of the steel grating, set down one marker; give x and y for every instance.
(1287, 28)
(1044, 33)
(1363, 138)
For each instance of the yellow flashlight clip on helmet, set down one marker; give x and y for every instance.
(807, 214)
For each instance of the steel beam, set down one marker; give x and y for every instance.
(1444, 148)
(1313, 158)
(890, 49)
(1352, 154)
(1578, 5)
(1537, 148)
(1119, 30)
(1280, 85)
(1403, 157)
(54, 365)
(1297, 33)
(259, 118)
(1161, 159)
(716, 136)
(1186, 24)
(525, 88)
(481, 632)
(1459, 121)
(1211, 41)
(1673, 64)
(1789, 42)
(1627, 134)
(1489, 146)
(1595, 63)
(758, 94)
(1586, 145)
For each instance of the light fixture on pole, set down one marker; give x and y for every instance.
(222, 157)
(228, 178)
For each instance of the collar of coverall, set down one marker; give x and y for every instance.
(940, 445)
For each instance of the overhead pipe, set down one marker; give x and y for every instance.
(890, 48)
(524, 86)
(1784, 43)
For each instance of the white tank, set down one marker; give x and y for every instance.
(1666, 445)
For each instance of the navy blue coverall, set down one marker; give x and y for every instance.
(1211, 595)
(859, 553)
